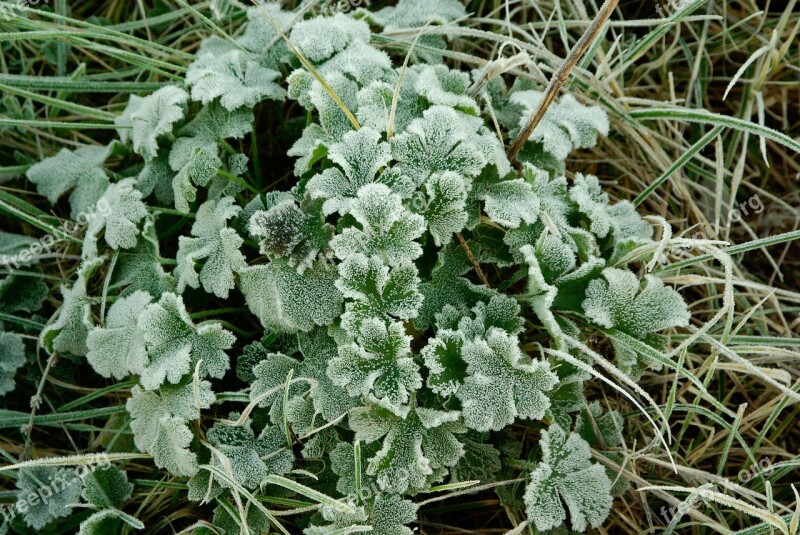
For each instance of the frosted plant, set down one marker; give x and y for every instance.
(396, 303)
(567, 475)
(416, 448)
(566, 125)
(39, 513)
(379, 366)
(222, 71)
(387, 230)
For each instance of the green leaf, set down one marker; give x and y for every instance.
(215, 243)
(175, 344)
(159, 423)
(119, 210)
(416, 448)
(299, 234)
(445, 211)
(107, 487)
(567, 476)
(379, 366)
(145, 119)
(502, 384)
(12, 357)
(62, 485)
(80, 170)
(118, 349)
(377, 291)
(221, 70)
(279, 296)
(359, 156)
(68, 333)
(388, 230)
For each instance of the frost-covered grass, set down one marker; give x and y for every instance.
(296, 281)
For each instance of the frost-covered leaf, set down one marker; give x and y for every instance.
(107, 486)
(481, 462)
(502, 384)
(566, 125)
(416, 448)
(439, 141)
(375, 102)
(388, 231)
(620, 301)
(67, 334)
(377, 291)
(414, 13)
(360, 62)
(80, 170)
(359, 156)
(390, 514)
(140, 268)
(330, 400)
(248, 458)
(279, 296)
(442, 356)
(378, 365)
(145, 119)
(319, 38)
(118, 349)
(102, 522)
(298, 233)
(445, 211)
(567, 476)
(215, 243)
(195, 154)
(442, 86)
(156, 178)
(159, 421)
(509, 202)
(119, 211)
(221, 70)
(12, 357)
(175, 344)
(40, 512)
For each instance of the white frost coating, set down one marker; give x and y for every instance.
(566, 474)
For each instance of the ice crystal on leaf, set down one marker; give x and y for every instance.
(159, 421)
(287, 230)
(566, 125)
(118, 349)
(378, 365)
(320, 38)
(360, 155)
(231, 75)
(145, 119)
(80, 170)
(377, 291)
(280, 297)
(417, 448)
(567, 476)
(387, 230)
(12, 357)
(68, 333)
(215, 243)
(120, 210)
(39, 513)
(175, 344)
(445, 211)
